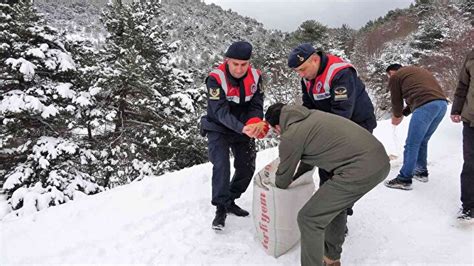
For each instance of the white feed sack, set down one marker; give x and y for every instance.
(275, 210)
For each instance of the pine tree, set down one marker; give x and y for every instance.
(430, 35)
(467, 6)
(41, 159)
(149, 123)
(344, 39)
(313, 32)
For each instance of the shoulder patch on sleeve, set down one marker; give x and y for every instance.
(214, 93)
(340, 94)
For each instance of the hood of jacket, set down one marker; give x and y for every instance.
(291, 114)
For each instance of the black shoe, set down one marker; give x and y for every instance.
(398, 183)
(466, 215)
(421, 176)
(236, 210)
(219, 221)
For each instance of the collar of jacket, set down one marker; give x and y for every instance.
(323, 64)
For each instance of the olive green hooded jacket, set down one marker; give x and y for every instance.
(463, 103)
(328, 141)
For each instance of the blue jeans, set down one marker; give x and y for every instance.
(425, 119)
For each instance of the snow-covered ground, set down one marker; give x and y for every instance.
(166, 220)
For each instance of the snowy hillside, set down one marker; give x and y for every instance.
(166, 220)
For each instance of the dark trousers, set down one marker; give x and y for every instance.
(224, 190)
(467, 174)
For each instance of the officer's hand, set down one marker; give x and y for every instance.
(250, 130)
(259, 128)
(265, 129)
(456, 118)
(262, 129)
(396, 120)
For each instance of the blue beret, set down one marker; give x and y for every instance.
(239, 50)
(300, 54)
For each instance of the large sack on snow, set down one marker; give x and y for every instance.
(275, 210)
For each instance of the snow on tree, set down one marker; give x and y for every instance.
(314, 32)
(42, 159)
(128, 105)
(148, 124)
(431, 34)
(341, 41)
(76, 18)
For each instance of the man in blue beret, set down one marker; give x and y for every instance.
(233, 120)
(332, 85)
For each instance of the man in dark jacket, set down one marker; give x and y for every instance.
(427, 101)
(357, 159)
(463, 110)
(331, 85)
(234, 117)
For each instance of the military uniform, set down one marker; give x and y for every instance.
(337, 89)
(231, 103)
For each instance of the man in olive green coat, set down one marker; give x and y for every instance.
(357, 159)
(463, 110)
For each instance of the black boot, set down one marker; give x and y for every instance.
(466, 215)
(219, 221)
(234, 209)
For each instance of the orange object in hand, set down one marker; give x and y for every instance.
(262, 126)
